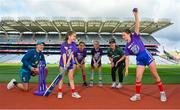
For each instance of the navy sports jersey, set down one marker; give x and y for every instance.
(31, 59)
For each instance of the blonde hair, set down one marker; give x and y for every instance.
(96, 41)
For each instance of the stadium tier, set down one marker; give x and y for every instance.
(17, 36)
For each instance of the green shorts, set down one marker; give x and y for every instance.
(25, 75)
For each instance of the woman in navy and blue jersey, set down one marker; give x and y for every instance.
(135, 46)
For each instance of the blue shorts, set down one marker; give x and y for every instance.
(71, 66)
(144, 58)
(25, 75)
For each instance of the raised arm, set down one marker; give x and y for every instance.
(137, 21)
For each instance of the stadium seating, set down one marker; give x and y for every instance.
(53, 38)
(41, 37)
(3, 38)
(27, 38)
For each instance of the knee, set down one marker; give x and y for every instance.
(26, 89)
(70, 76)
(138, 79)
(46, 71)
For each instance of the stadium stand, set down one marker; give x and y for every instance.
(53, 38)
(41, 37)
(27, 38)
(17, 36)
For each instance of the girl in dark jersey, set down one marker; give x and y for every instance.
(96, 53)
(117, 60)
(135, 46)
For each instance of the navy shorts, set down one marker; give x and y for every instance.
(25, 75)
(92, 64)
(144, 58)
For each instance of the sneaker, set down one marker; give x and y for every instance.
(135, 97)
(100, 84)
(119, 85)
(113, 85)
(76, 95)
(60, 95)
(85, 84)
(10, 85)
(163, 97)
(91, 84)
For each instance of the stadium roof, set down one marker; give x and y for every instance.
(97, 25)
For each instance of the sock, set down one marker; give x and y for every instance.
(138, 87)
(59, 90)
(84, 76)
(100, 76)
(159, 83)
(73, 90)
(92, 76)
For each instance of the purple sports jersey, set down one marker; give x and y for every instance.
(96, 54)
(67, 49)
(80, 55)
(135, 46)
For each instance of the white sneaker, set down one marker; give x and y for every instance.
(100, 84)
(135, 97)
(119, 85)
(60, 95)
(10, 85)
(76, 95)
(113, 85)
(163, 97)
(91, 84)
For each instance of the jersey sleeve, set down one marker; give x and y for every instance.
(135, 36)
(85, 52)
(63, 50)
(26, 58)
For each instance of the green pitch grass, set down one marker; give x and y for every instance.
(169, 74)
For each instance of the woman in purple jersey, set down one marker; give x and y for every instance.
(79, 57)
(135, 46)
(68, 48)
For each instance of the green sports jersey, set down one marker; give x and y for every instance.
(116, 54)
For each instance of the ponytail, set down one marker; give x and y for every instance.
(127, 31)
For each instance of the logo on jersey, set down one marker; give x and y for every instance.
(135, 49)
(68, 50)
(24, 79)
(97, 55)
(79, 56)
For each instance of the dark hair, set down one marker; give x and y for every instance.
(127, 31)
(69, 33)
(81, 42)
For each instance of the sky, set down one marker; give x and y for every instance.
(155, 9)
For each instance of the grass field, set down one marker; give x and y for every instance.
(170, 74)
